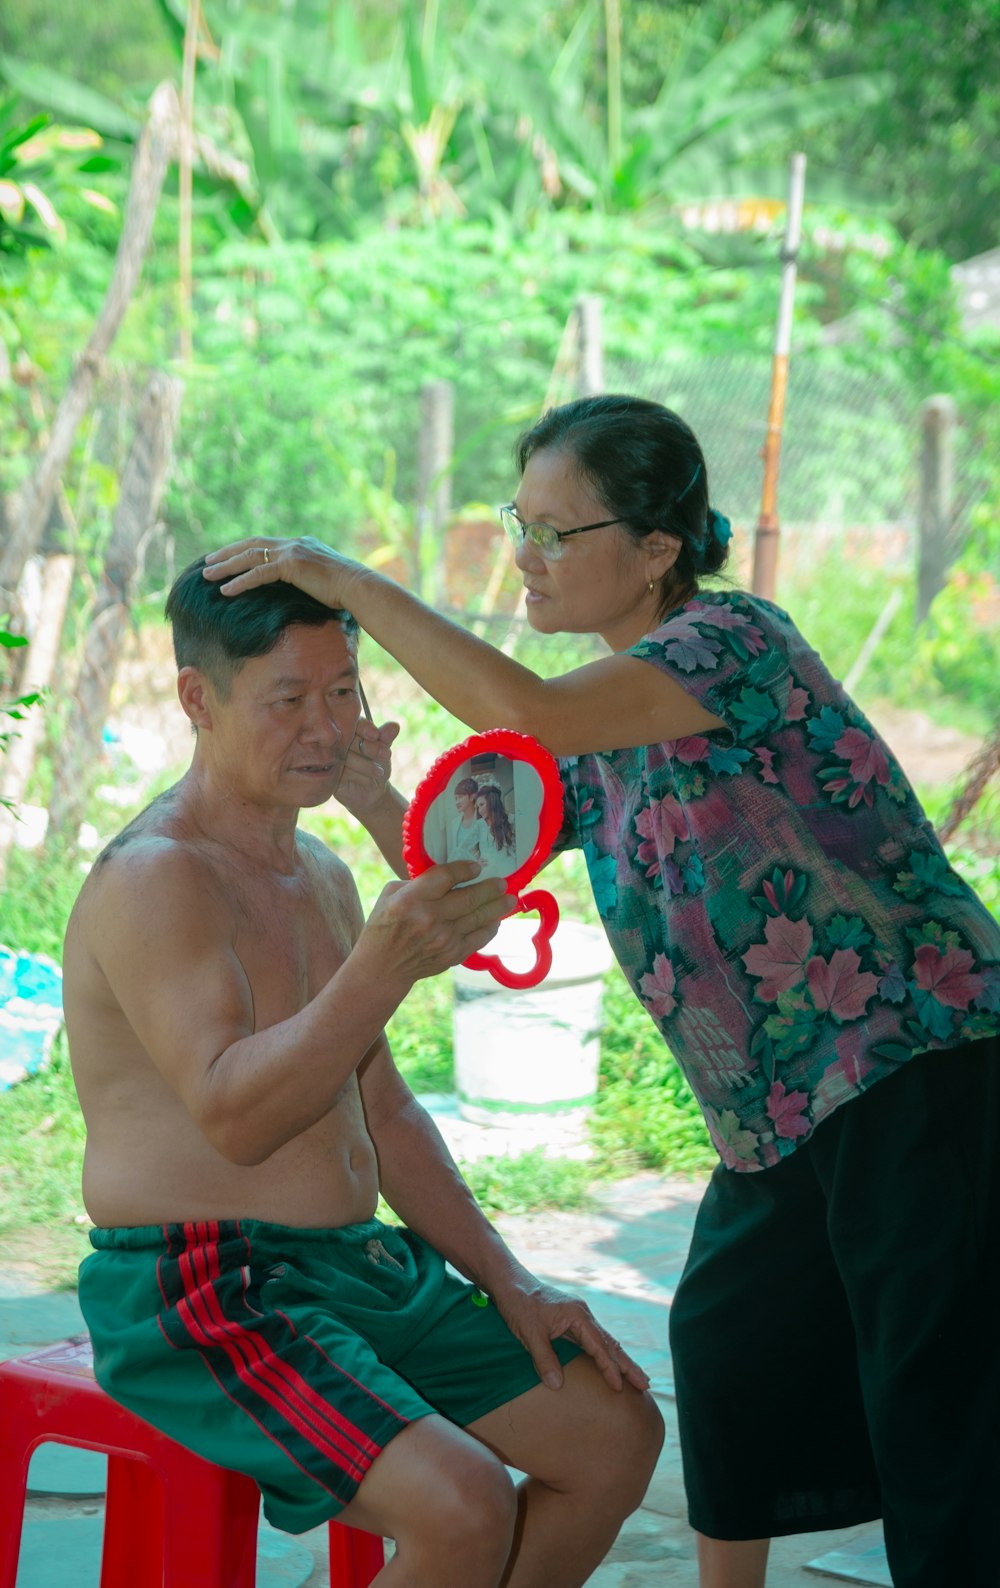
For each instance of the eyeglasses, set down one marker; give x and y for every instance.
(546, 540)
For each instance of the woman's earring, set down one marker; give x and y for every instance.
(649, 587)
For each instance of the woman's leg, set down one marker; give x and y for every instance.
(732, 1563)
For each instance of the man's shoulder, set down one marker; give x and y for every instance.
(156, 845)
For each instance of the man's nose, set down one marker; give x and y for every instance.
(319, 724)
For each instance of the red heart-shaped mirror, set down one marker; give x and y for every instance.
(496, 798)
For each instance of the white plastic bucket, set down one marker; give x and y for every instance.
(526, 1059)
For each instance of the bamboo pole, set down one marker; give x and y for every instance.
(765, 547)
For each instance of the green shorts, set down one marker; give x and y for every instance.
(293, 1355)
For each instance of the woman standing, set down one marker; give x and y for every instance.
(497, 853)
(780, 905)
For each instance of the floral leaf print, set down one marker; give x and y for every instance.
(736, 1147)
(798, 701)
(795, 1027)
(948, 976)
(581, 811)
(780, 961)
(892, 987)
(928, 873)
(842, 931)
(694, 747)
(838, 986)
(933, 932)
(725, 759)
(602, 870)
(692, 651)
(826, 729)
(656, 988)
(755, 710)
(659, 826)
(936, 1019)
(841, 786)
(974, 1026)
(783, 893)
(694, 875)
(989, 998)
(690, 785)
(787, 1110)
(762, 1051)
(670, 877)
(865, 756)
(766, 759)
(895, 1052)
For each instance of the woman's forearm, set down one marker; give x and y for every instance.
(476, 683)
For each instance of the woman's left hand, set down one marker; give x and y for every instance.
(321, 572)
(368, 767)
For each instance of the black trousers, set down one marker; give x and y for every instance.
(836, 1331)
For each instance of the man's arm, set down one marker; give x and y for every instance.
(253, 1078)
(421, 1182)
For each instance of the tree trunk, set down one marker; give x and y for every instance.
(143, 480)
(153, 153)
(40, 662)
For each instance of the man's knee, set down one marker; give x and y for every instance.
(435, 1489)
(638, 1434)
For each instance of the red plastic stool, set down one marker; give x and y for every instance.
(172, 1520)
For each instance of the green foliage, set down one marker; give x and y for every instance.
(949, 666)
(41, 1164)
(646, 1115)
(36, 901)
(304, 413)
(525, 1184)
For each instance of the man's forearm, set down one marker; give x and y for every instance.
(422, 1183)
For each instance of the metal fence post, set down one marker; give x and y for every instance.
(938, 417)
(437, 441)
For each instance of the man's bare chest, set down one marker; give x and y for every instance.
(290, 936)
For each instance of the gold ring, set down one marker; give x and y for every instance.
(267, 555)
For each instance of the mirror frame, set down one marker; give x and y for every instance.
(500, 741)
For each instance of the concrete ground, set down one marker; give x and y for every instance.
(625, 1256)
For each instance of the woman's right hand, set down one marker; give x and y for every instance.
(317, 569)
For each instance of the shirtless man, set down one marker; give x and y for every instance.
(225, 1005)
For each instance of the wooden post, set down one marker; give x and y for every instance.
(765, 546)
(437, 444)
(149, 169)
(590, 341)
(40, 662)
(143, 479)
(937, 472)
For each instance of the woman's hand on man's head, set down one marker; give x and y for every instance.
(316, 568)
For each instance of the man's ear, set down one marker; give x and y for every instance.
(195, 696)
(661, 551)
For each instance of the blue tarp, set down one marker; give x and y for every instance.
(30, 1012)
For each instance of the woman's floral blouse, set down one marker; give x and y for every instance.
(773, 890)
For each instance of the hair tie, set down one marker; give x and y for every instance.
(719, 526)
(690, 483)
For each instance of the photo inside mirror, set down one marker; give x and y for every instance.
(489, 812)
